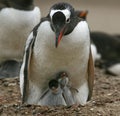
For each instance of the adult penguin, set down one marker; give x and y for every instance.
(17, 19)
(61, 41)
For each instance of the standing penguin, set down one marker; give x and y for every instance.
(61, 41)
(17, 19)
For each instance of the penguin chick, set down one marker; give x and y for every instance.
(63, 79)
(53, 96)
(68, 91)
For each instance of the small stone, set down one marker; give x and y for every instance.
(109, 94)
(12, 84)
(92, 109)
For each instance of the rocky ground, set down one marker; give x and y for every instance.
(105, 100)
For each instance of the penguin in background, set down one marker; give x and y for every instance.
(82, 14)
(105, 49)
(61, 41)
(10, 68)
(118, 36)
(95, 54)
(17, 19)
(108, 47)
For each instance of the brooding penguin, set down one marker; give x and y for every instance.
(61, 41)
(17, 19)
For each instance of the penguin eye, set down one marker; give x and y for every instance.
(68, 20)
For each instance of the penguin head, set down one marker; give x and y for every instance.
(63, 74)
(53, 85)
(63, 20)
(63, 78)
(17, 4)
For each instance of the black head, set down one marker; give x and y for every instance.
(63, 20)
(17, 4)
(53, 84)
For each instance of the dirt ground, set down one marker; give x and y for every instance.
(105, 100)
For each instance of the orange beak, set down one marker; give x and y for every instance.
(59, 37)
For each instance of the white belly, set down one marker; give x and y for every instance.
(74, 63)
(71, 56)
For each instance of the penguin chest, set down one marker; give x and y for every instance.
(71, 56)
(48, 62)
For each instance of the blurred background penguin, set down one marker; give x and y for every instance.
(17, 19)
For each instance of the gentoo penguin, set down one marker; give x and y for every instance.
(61, 41)
(95, 54)
(17, 19)
(107, 47)
(54, 96)
(82, 13)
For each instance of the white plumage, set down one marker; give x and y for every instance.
(15, 26)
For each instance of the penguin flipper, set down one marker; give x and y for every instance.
(24, 72)
(44, 93)
(90, 75)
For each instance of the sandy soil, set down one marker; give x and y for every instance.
(105, 100)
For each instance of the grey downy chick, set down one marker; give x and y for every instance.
(53, 95)
(65, 86)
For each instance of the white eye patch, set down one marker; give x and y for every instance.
(66, 12)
